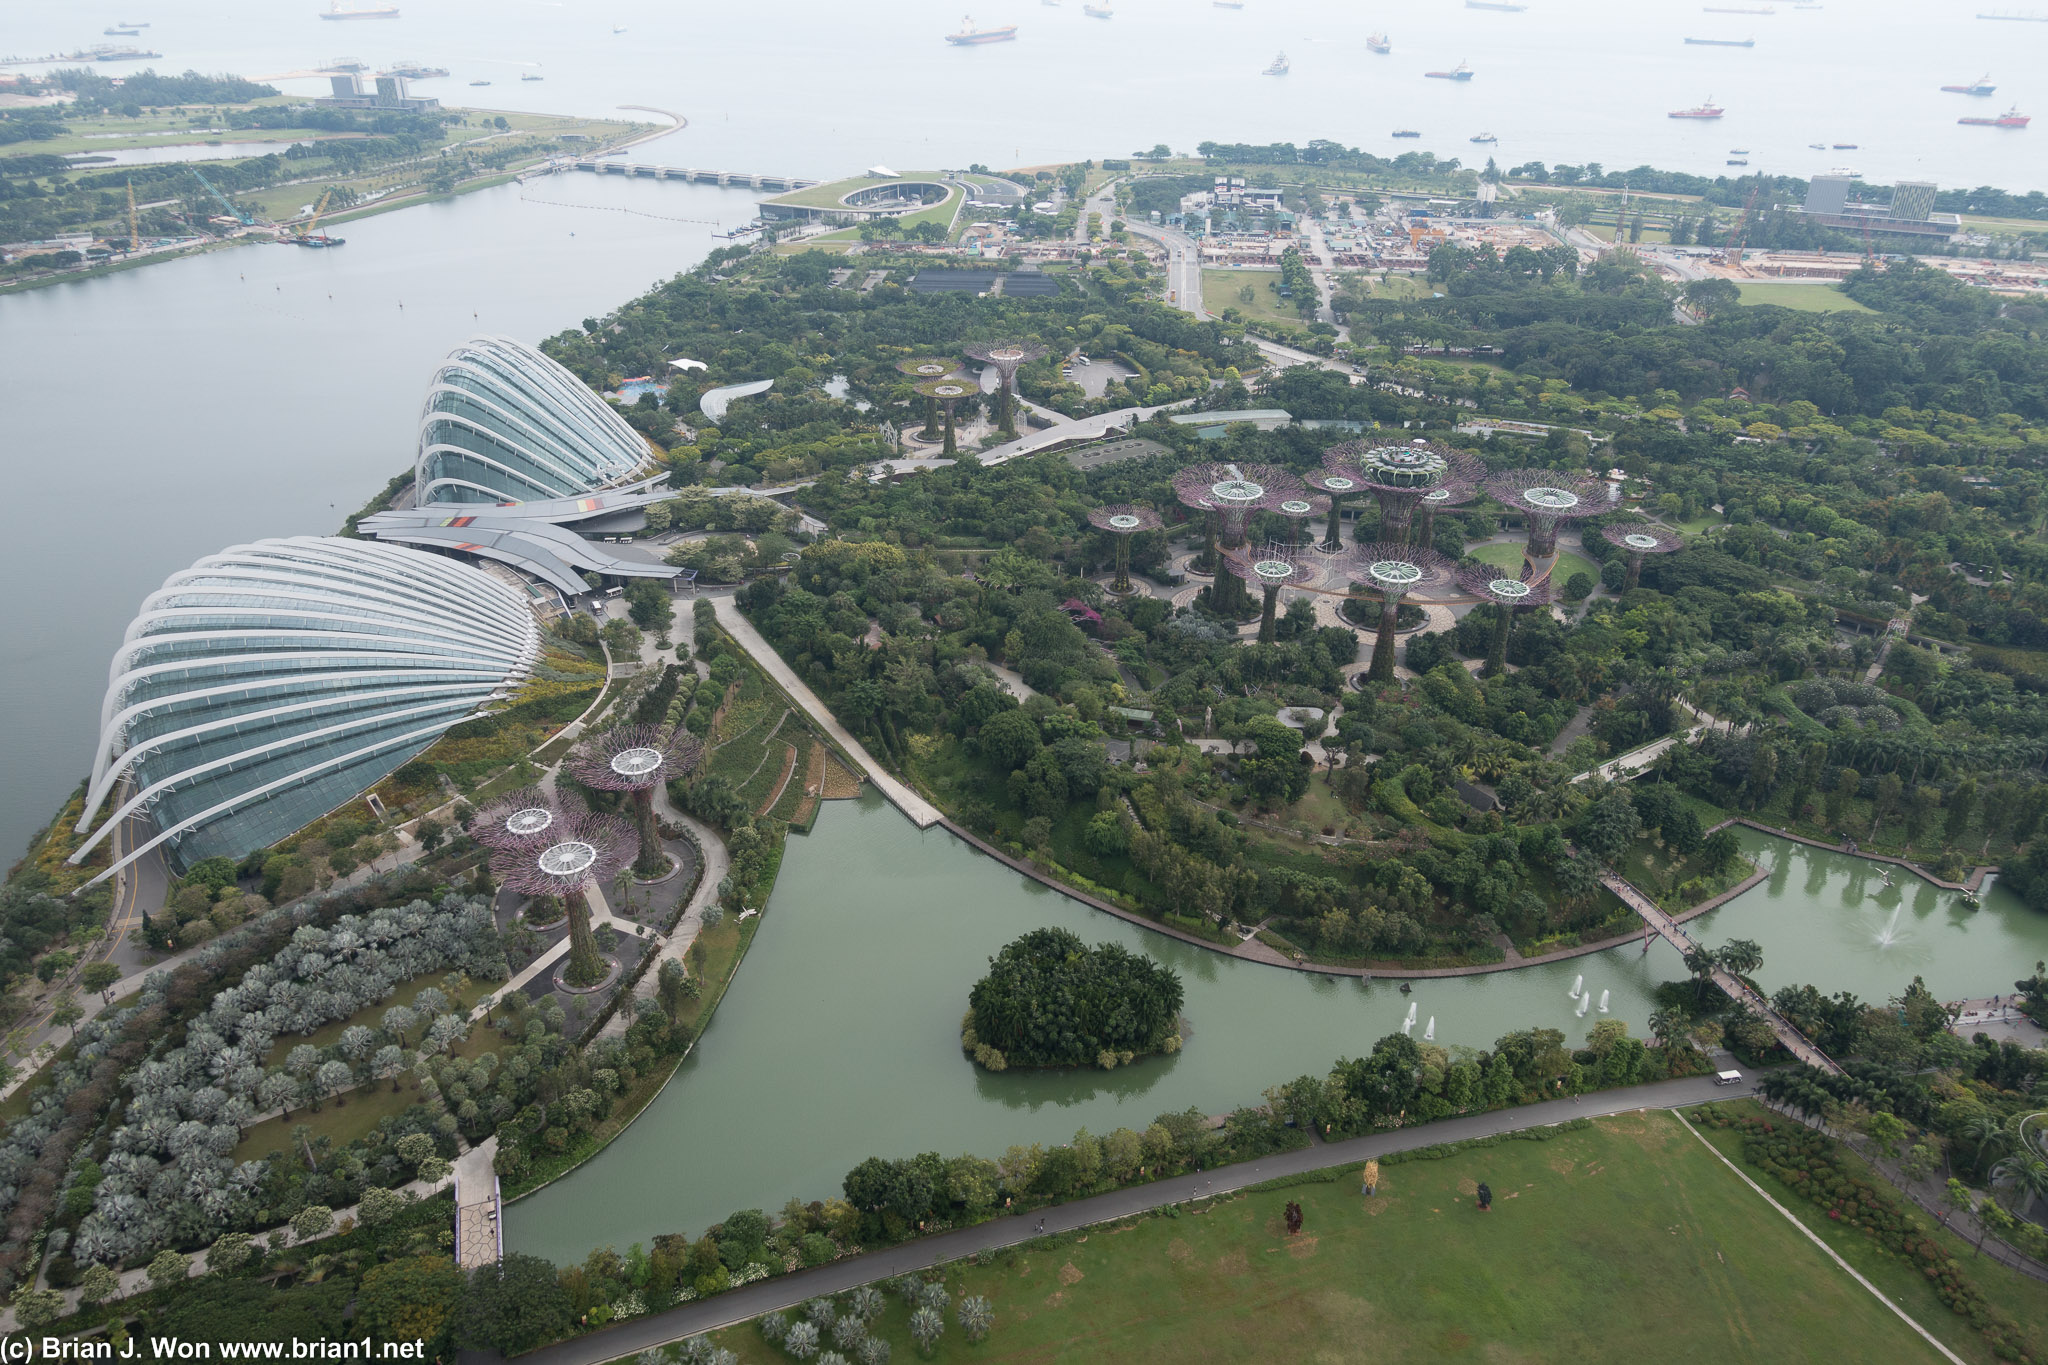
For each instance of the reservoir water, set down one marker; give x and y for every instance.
(163, 413)
(839, 1038)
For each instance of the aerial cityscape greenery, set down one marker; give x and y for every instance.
(1571, 577)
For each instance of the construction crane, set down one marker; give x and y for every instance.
(308, 233)
(244, 219)
(134, 233)
(1731, 255)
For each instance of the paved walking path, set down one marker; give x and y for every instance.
(921, 812)
(787, 1291)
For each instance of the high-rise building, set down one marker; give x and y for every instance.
(1912, 201)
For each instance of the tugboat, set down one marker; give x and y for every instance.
(2011, 118)
(1279, 67)
(1380, 43)
(1706, 110)
(1487, 138)
(970, 36)
(1460, 72)
(1981, 86)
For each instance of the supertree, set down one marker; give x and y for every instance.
(1393, 571)
(1123, 521)
(1443, 495)
(1008, 357)
(928, 369)
(577, 848)
(514, 818)
(1547, 498)
(636, 759)
(1335, 487)
(1399, 475)
(1271, 568)
(947, 392)
(1488, 583)
(1638, 540)
(1298, 512)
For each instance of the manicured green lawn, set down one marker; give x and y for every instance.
(1626, 1241)
(1803, 298)
(1569, 564)
(1223, 289)
(1508, 556)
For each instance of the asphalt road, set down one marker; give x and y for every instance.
(787, 1291)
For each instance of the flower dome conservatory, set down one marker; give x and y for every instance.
(270, 683)
(503, 423)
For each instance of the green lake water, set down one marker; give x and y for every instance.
(839, 1039)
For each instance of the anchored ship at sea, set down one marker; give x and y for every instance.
(1380, 43)
(1098, 11)
(1495, 4)
(415, 71)
(335, 11)
(1708, 109)
(970, 36)
(1720, 42)
(2011, 118)
(1981, 86)
(1460, 72)
(1279, 67)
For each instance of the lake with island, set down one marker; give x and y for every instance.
(839, 1038)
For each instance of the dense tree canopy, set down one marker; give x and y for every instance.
(1050, 1000)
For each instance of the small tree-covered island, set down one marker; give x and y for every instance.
(1051, 1000)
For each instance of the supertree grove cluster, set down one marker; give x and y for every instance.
(578, 847)
(513, 818)
(1270, 568)
(1548, 498)
(1008, 357)
(1490, 584)
(946, 393)
(929, 369)
(1637, 540)
(636, 759)
(1392, 572)
(1123, 521)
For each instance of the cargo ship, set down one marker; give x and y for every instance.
(122, 32)
(1380, 43)
(335, 11)
(2011, 118)
(1098, 11)
(1280, 66)
(1460, 72)
(1495, 4)
(1706, 110)
(1406, 132)
(1981, 86)
(1487, 139)
(970, 36)
(1229, 4)
(1720, 42)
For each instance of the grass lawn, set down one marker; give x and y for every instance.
(1508, 556)
(1223, 289)
(1569, 564)
(1623, 1241)
(1804, 298)
(2026, 1300)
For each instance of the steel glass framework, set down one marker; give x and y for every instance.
(576, 848)
(1444, 495)
(1400, 476)
(1548, 498)
(1391, 572)
(1231, 492)
(1008, 357)
(1270, 568)
(270, 683)
(503, 423)
(637, 759)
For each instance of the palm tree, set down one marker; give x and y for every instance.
(1984, 1131)
(2026, 1173)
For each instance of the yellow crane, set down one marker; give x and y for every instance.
(308, 233)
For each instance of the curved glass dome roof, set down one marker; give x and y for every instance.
(503, 423)
(270, 683)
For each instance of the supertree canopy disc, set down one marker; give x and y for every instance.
(927, 366)
(1235, 491)
(1124, 519)
(1489, 583)
(634, 757)
(514, 818)
(1007, 356)
(1271, 568)
(948, 390)
(1642, 538)
(1547, 498)
(1393, 571)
